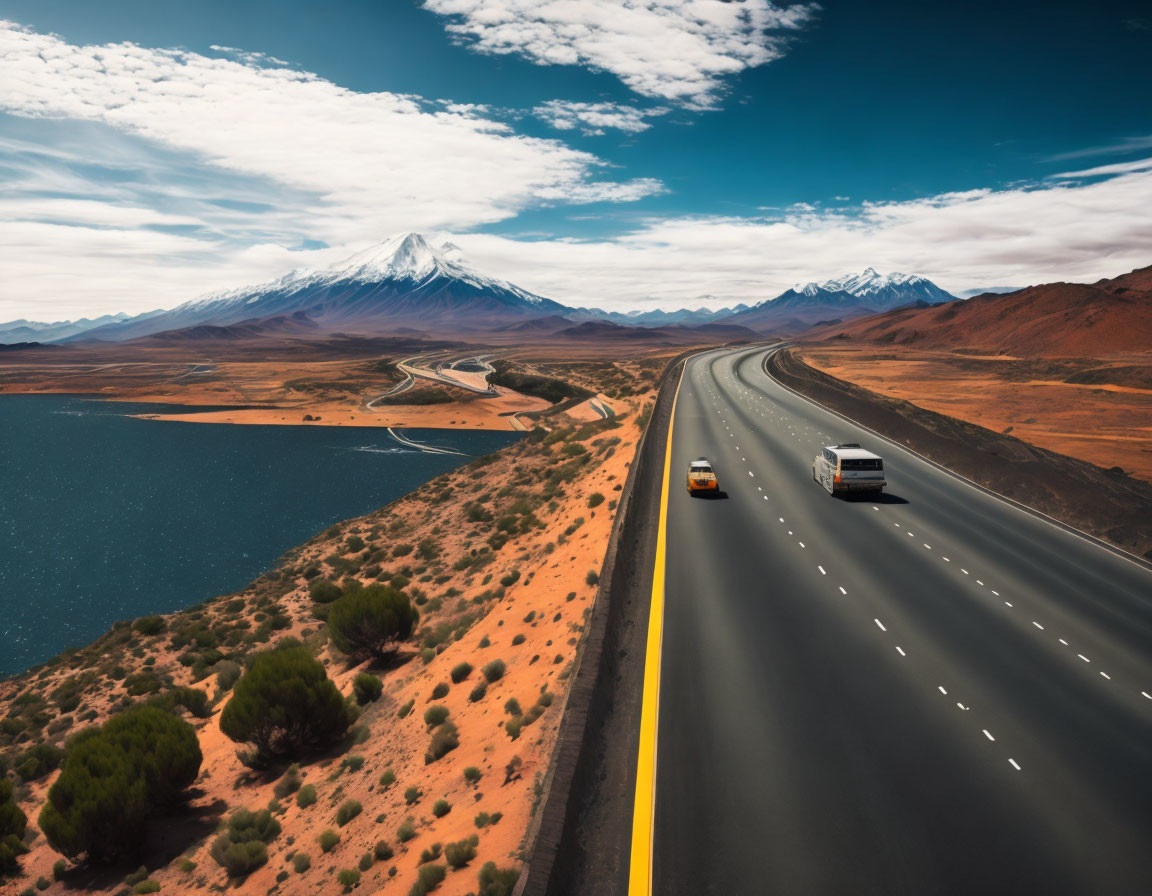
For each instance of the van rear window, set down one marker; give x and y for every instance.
(855, 463)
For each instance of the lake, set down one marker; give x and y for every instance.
(106, 517)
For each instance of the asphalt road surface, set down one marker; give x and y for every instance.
(935, 692)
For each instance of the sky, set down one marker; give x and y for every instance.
(610, 153)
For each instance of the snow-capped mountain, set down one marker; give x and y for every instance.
(852, 295)
(402, 282)
(881, 291)
(656, 317)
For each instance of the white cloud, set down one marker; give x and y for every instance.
(595, 118)
(1107, 170)
(331, 165)
(961, 241)
(1128, 144)
(676, 50)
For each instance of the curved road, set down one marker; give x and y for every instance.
(934, 693)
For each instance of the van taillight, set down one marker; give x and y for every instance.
(837, 479)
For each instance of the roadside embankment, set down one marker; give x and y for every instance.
(1108, 505)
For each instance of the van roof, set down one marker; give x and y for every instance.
(700, 462)
(857, 453)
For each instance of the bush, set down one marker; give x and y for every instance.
(192, 699)
(497, 881)
(227, 674)
(431, 854)
(150, 625)
(411, 795)
(387, 778)
(301, 862)
(494, 670)
(348, 878)
(242, 849)
(462, 852)
(367, 688)
(472, 774)
(440, 808)
(592, 578)
(445, 739)
(512, 707)
(478, 692)
(37, 761)
(517, 640)
(513, 726)
(114, 778)
(428, 878)
(348, 810)
(405, 832)
(328, 840)
(440, 691)
(285, 705)
(435, 715)
(13, 823)
(306, 796)
(147, 886)
(595, 499)
(383, 851)
(372, 621)
(288, 784)
(366, 861)
(460, 671)
(324, 592)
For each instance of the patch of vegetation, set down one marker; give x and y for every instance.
(445, 739)
(37, 761)
(441, 807)
(115, 778)
(288, 784)
(348, 810)
(372, 622)
(440, 691)
(497, 881)
(472, 774)
(428, 878)
(367, 688)
(150, 625)
(478, 692)
(328, 840)
(243, 848)
(324, 592)
(285, 706)
(494, 671)
(388, 778)
(13, 823)
(306, 796)
(461, 852)
(301, 862)
(405, 832)
(460, 671)
(348, 878)
(435, 715)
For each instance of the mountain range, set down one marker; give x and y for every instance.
(407, 285)
(1053, 319)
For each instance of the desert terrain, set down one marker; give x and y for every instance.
(501, 558)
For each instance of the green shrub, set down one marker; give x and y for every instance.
(227, 674)
(352, 763)
(405, 832)
(58, 869)
(114, 778)
(382, 851)
(192, 699)
(372, 622)
(405, 709)
(242, 849)
(460, 671)
(595, 499)
(478, 692)
(187, 865)
(440, 808)
(348, 810)
(387, 778)
(285, 706)
(306, 796)
(13, 823)
(411, 795)
(324, 592)
(288, 784)
(136, 876)
(348, 878)
(366, 861)
(354, 544)
(428, 878)
(472, 774)
(328, 840)
(461, 852)
(435, 715)
(494, 670)
(367, 688)
(497, 881)
(512, 707)
(517, 640)
(150, 625)
(431, 854)
(37, 761)
(445, 739)
(147, 886)
(592, 578)
(301, 862)
(440, 691)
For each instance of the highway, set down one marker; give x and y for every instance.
(931, 693)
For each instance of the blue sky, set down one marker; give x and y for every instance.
(696, 153)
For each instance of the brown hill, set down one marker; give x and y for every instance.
(1054, 319)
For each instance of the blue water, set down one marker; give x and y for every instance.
(106, 517)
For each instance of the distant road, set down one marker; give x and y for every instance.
(933, 693)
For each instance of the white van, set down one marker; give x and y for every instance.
(848, 468)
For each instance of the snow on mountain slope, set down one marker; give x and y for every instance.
(883, 291)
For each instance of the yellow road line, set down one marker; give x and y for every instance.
(643, 810)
